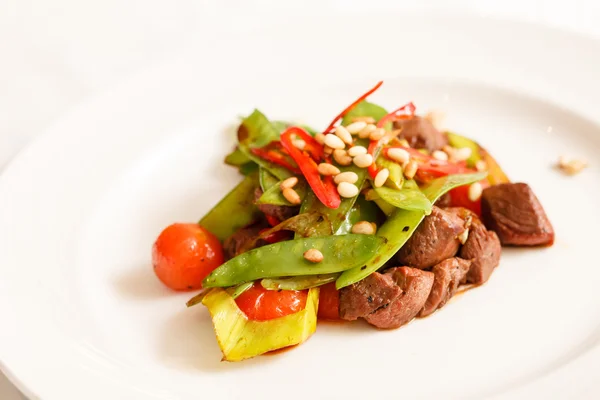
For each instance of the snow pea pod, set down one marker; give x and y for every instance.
(396, 179)
(266, 179)
(234, 211)
(400, 226)
(286, 259)
(362, 210)
(407, 199)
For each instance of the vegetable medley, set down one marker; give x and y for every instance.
(380, 216)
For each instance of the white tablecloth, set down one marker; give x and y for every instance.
(54, 54)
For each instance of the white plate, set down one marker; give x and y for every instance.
(80, 208)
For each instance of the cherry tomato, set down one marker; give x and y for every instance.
(329, 302)
(260, 304)
(460, 198)
(184, 254)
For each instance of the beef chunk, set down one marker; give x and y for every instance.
(482, 247)
(416, 286)
(444, 201)
(235, 243)
(280, 212)
(421, 134)
(448, 275)
(513, 211)
(364, 297)
(434, 240)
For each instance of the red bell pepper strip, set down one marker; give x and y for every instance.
(324, 188)
(406, 111)
(274, 153)
(351, 106)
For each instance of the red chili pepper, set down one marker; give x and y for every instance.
(272, 220)
(273, 153)
(351, 106)
(372, 149)
(324, 188)
(406, 111)
(312, 147)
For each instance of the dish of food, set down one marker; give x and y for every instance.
(84, 203)
(381, 217)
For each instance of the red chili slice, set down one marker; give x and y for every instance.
(324, 188)
(351, 106)
(273, 152)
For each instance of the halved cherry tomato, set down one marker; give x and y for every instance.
(329, 302)
(260, 304)
(184, 254)
(459, 197)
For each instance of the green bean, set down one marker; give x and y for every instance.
(286, 259)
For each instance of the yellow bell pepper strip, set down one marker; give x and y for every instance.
(286, 259)
(400, 226)
(240, 338)
(234, 211)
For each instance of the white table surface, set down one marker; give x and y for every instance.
(56, 54)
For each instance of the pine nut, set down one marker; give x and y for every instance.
(399, 155)
(299, 144)
(291, 196)
(356, 150)
(347, 176)
(462, 154)
(343, 134)
(356, 127)
(328, 169)
(366, 131)
(410, 170)
(475, 191)
(440, 155)
(347, 190)
(374, 225)
(377, 134)
(320, 138)
(334, 142)
(481, 165)
(327, 150)
(463, 236)
(289, 183)
(571, 167)
(363, 160)
(363, 227)
(341, 157)
(381, 177)
(313, 255)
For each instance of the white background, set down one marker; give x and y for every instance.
(55, 54)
